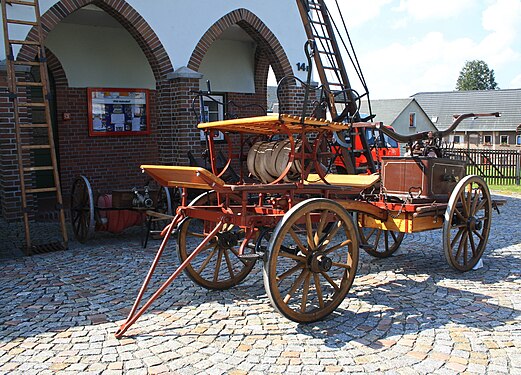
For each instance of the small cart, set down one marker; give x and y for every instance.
(120, 209)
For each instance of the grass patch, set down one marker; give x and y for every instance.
(505, 189)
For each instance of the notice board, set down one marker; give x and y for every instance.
(116, 112)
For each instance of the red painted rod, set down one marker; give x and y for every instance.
(135, 316)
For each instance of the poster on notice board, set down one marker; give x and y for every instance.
(115, 112)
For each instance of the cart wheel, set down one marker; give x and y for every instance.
(312, 261)
(378, 242)
(176, 196)
(218, 266)
(168, 199)
(467, 223)
(82, 209)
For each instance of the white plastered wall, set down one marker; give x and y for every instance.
(181, 24)
(230, 67)
(100, 57)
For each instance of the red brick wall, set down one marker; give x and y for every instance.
(9, 181)
(108, 162)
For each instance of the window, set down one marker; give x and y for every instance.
(487, 139)
(503, 139)
(456, 139)
(213, 111)
(383, 139)
(518, 140)
(412, 119)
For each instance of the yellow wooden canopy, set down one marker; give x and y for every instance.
(273, 124)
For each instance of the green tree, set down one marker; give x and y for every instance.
(476, 75)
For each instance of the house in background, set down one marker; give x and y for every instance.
(406, 116)
(494, 132)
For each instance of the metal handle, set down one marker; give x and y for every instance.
(430, 134)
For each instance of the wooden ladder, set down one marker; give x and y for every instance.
(333, 74)
(32, 135)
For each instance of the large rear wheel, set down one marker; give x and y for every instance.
(313, 256)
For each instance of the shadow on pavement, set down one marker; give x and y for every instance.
(411, 292)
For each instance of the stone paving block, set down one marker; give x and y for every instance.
(410, 313)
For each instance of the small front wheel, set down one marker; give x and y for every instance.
(380, 243)
(467, 223)
(219, 265)
(313, 256)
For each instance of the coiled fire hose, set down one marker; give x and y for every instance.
(267, 161)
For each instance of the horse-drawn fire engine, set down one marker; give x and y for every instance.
(295, 214)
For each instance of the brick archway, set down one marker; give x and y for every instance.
(55, 67)
(127, 16)
(78, 153)
(256, 29)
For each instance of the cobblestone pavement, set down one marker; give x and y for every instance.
(410, 313)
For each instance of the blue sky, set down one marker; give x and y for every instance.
(410, 46)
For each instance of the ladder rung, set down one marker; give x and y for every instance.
(28, 42)
(40, 190)
(34, 125)
(322, 37)
(21, 2)
(40, 105)
(22, 22)
(31, 63)
(318, 23)
(330, 67)
(33, 169)
(326, 53)
(36, 84)
(35, 147)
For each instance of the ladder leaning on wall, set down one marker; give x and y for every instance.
(32, 135)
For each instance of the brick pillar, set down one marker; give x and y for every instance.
(178, 131)
(292, 99)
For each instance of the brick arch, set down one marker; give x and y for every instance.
(257, 30)
(55, 67)
(127, 16)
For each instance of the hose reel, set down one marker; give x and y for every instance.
(267, 161)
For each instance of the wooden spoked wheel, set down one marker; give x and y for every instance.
(378, 242)
(218, 265)
(176, 196)
(166, 200)
(467, 223)
(312, 261)
(82, 209)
